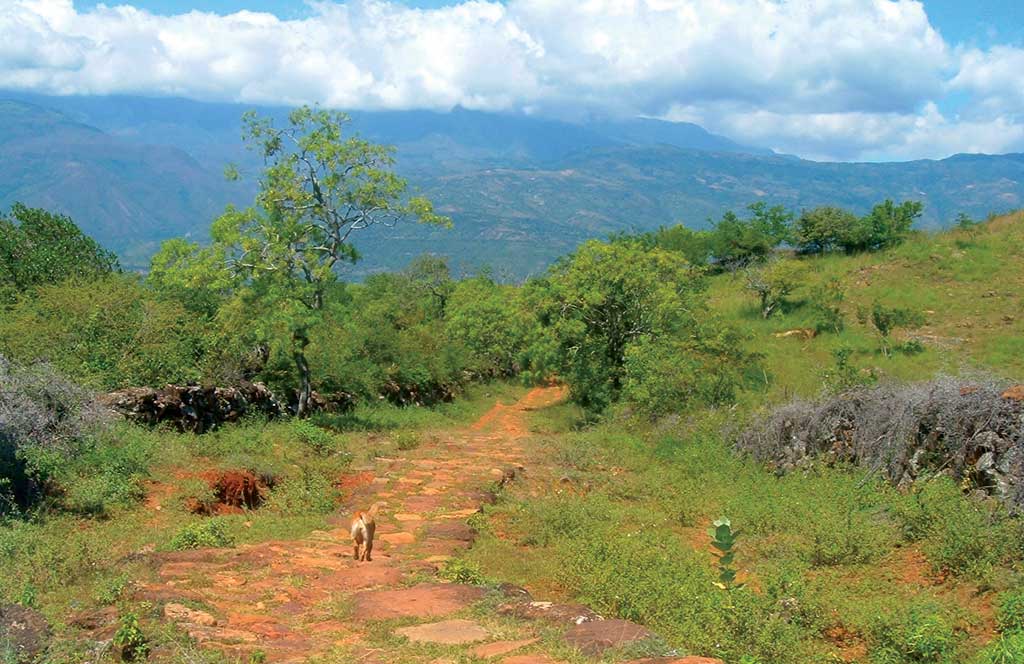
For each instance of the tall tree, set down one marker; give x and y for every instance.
(319, 186)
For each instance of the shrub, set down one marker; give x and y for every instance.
(310, 492)
(1007, 649)
(461, 571)
(773, 282)
(823, 228)
(321, 441)
(209, 533)
(45, 420)
(826, 301)
(1011, 611)
(959, 535)
(920, 634)
(904, 432)
(407, 440)
(130, 640)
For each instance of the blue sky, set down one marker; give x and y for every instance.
(824, 79)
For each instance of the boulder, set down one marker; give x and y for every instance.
(594, 637)
(23, 631)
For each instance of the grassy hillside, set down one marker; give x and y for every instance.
(838, 566)
(969, 285)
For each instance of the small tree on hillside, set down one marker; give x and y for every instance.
(739, 242)
(887, 319)
(821, 229)
(886, 226)
(774, 282)
(318, 187)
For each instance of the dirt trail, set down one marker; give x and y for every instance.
(294, 600)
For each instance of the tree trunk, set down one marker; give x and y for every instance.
(300, 340)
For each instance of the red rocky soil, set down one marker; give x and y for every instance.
(281, 597)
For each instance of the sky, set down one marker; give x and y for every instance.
(843, 80)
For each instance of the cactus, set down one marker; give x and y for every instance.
(723, 539)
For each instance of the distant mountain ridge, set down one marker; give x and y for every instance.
(521, 190)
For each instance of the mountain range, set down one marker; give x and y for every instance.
(521, 190)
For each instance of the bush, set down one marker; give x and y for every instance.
(1007, 649)
(45, 422)
(959, 535)
(319, 440)
(209, 533)
(1011, 611)
(310, 492)
(904, 432)
(919, 634)
(108, 333)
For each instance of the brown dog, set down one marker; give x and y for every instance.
(363, 526)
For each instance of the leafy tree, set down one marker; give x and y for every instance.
(887, 225)
(738, 242)
(774, 282)
(822, 229)
(318, 187)
(39, 247)
(695, 246)
(492, 322)
(610, 305)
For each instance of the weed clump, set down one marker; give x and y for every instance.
(210, 533)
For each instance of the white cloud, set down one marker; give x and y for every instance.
(826, 78)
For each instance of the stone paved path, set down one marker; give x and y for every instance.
(296, 600)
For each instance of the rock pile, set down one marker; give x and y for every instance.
(193, 408)
(970, 429)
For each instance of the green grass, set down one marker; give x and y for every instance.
(965, 282)
(82, 554)
(822, 552)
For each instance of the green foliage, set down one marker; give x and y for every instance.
(407, 440)
(206, 533)
(38, 247)
(664, 376)
(308, 433)
(111, 332)
(280, 257)
(738, 242)
(918, 634)
(130, 640)
(723, 539)
(887, 319)
(457, 570)
(1010, 611)
(822, 229)
(774, 282)
(886, 226)
(604, 309)
(844, 374)
(826, 303)
(695, 246)
(1007, 649)
(967, 538)
(492, 322)
(309, 491)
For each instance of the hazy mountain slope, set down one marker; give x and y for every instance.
(127, 195)
(524, 218)
(521, 190)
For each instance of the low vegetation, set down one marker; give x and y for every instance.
(831, 394)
